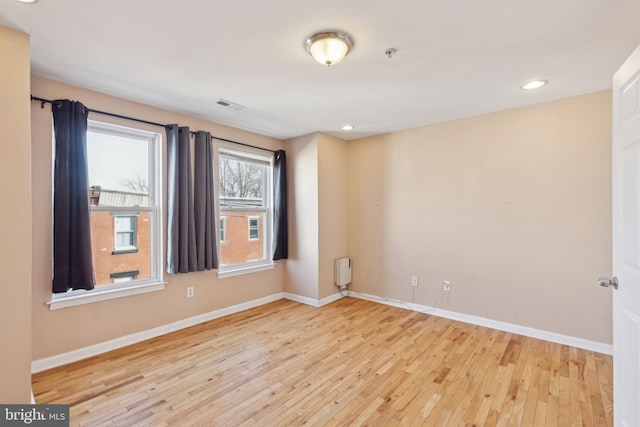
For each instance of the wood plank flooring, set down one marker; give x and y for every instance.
(350, 363)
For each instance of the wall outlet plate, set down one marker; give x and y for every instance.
(189, 291)
(446, 286)
(414, 281)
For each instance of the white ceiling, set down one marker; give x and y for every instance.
(455, 58)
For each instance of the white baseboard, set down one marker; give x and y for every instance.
(330, 299)
(301, 299)
(311, 301)
(94, 350)
(494, 324)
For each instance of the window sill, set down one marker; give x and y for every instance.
(57, 303)
(240, 270)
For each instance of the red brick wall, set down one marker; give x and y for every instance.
(238, 248)
(103, 244)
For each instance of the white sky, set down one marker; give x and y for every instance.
(113, 159)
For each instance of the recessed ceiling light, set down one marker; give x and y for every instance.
(348, 127)
(27, 1)
(534, 84)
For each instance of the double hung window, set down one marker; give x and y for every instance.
(223, 229)
(125, 227)
(245, 205)
(123, 169)
(254, 228)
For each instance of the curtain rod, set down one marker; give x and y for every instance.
(43, 101)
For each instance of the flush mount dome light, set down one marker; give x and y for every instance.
(534, 84)
(27, 1)
(348, 128)
(329, 47)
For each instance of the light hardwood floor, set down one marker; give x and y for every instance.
(352, 362)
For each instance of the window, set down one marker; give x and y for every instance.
(124, 276)
(254, 227)
(125, 227)
(123, 167)
(245, 204)
(223, 229)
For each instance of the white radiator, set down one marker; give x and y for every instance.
(342, 272)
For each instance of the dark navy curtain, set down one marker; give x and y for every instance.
(280, 223)
(72, 263)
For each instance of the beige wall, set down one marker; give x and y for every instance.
(317, 184)
(15, 219)
(56, 332)
(302, 186)
(513, 208)
(332, 210)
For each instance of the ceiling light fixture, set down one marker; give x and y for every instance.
(27, 1)
(348, 128)
(534, 84)
(329, 47)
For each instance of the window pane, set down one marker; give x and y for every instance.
(118, 170)
(239, 247)
(124, 223)
(106, 242)
(242, 182)
(123, 279)
(124, 239)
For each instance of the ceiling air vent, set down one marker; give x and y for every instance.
(230, 104)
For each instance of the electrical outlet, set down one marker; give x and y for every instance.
(414, 281)
(189, 291)
(446, 285)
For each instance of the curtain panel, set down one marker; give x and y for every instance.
(72, 262)
(204, 204)
(181, 233)
(280, 222)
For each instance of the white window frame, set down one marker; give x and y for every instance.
(266, 212)
(257, 228)
(138, 286)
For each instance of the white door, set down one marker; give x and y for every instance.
(626, 242)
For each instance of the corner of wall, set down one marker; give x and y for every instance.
(332, 209)
(301, 277)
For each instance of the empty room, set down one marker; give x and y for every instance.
(351, 213)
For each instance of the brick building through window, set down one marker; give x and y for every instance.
(121, 241)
